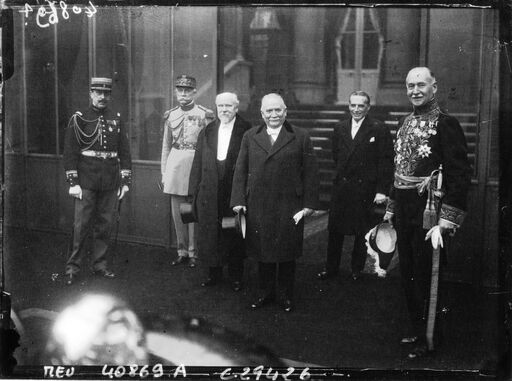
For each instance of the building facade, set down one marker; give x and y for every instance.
(314, 56)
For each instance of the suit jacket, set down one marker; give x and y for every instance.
(204, 187)
(275, 182)
(364, 167)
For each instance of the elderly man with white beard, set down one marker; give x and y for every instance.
(210, 186)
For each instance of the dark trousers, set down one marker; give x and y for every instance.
(335, 247)
(94, 212)
(277, 277)
(415, 257)
(228, 240)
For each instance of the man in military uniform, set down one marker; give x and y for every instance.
(428, 197)
(97, 162)
(182, 125)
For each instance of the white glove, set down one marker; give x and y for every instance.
(380, 198)
(122, 191)
(436, 236)
(76, 191)
(303, 213)
(238, 208)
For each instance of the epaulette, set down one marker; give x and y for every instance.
(166, 114)
(204, 109)
(78, 113)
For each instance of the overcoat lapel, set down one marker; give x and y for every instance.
(262, 139)
(285, 136)
(359, 138)
(212, 138)
(236, 138)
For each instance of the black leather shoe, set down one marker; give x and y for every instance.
(179, 260)
(105, 273)
(209, 282)
(356, 275)
(323, 275)
(409, 340)
(288, 305)
(260, 302)
(70, 279)
(236, 286)
(192, 262)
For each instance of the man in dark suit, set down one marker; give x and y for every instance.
(276, 181)
(210, 184)
(363, 153)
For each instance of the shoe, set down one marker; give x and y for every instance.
(409, 340)
(323, 275)
(192, 262)
(236, 286)
(288, 305)
(419, 351)
(263, 301)
(179, 260)
(105, 273)
(356, 275)
(209, 282)
(70, 278)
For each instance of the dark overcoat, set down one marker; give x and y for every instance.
(204, 188)
(275, 182)
(364, 167)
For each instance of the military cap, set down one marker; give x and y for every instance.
(185, 81)
(103, 84)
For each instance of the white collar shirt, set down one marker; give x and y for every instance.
(356, 126)
(274, 133)
(223, 138)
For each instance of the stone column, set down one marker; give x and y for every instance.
(309, 60)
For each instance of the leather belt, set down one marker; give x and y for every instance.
(184, 146)
(100, 154)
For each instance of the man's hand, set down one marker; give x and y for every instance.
(388, 217)
(238, 208)
(303, 213)
(380, 198)
(122, 191)
(436, 236)
(76, 191)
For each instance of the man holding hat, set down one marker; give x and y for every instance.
(427, 199)
(210, 185)
(362, 150)
(276, 182)
(182, 125)
(97, 162)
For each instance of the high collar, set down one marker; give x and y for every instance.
(427, 107)
(188, 107)
(98, 110)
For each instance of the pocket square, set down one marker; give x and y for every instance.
(372, 139)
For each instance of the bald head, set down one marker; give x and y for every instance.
(227, 106)
(421, 86)
(273, 110)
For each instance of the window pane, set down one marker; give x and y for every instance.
(14, 105)
(72, 38)
(348, 47)
(370, 51)
(40, 79)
